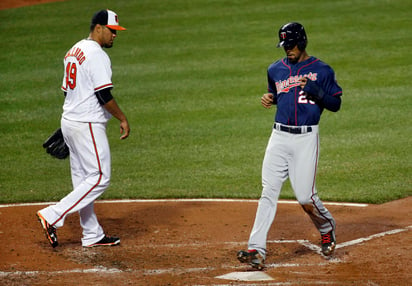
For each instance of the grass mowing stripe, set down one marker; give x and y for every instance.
(189, 76)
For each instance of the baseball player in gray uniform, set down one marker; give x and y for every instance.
(88, 106)
(301, 86)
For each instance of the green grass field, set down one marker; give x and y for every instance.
(189, 75)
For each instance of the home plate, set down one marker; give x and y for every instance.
(246, 276)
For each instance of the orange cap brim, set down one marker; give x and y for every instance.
(116, 27)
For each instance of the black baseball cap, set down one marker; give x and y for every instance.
(107, 18)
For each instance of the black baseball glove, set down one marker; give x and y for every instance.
(313, 91)
(56, 146)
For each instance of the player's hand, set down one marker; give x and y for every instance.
(124, 129)
(303, 82)
(267, 100)
(311, 90)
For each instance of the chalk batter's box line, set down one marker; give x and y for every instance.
(303, 242)
(184, 200)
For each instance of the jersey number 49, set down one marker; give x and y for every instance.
(71, 74)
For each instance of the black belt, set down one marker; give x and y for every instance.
(293, 130)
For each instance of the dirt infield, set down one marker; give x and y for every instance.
(193, 242)
(7, 4)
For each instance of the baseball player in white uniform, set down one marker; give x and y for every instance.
(87, 108)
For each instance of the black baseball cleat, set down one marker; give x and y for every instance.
(253, 257)
(105, 241)
(328, 243)
(49, 231)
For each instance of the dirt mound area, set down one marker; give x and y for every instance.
(7, 4)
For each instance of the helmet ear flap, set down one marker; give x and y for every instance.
(303, 40)
(302, 45)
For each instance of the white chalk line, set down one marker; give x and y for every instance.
(175, 271)
(152, 272)
(97, 269)
(185, 200)
(361, 240)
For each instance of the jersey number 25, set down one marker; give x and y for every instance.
(302, 99)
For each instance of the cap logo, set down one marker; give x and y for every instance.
(283, 35)
(116, 19)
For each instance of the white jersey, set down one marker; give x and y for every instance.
(87, 70)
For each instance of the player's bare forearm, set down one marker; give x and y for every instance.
(267, 100)
(115, 110)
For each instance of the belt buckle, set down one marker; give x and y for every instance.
(296, 130)
(292, 130)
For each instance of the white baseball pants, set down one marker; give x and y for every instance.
(294, 156)
(90, 164)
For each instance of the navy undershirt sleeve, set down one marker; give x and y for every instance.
(331, 103)
(104, 95)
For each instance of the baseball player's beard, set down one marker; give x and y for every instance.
(291, 57)
(294, 57)
(108, 45)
